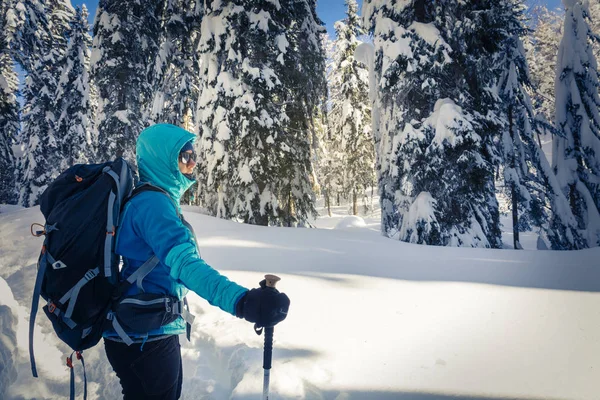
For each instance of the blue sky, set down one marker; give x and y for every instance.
(328, 10)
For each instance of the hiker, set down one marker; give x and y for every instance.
(151, 367)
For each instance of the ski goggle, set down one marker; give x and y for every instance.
(187, 158)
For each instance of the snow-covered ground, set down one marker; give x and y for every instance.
(371, 318)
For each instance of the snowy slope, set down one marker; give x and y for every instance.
(371, 318)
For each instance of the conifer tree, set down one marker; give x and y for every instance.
(176, 79)
(124, 51)
(375, 13)
(351, 114)
(541, 58)
(594, 7)
(320, 160)
(73, 95)
(9, 107)
(434, 64)
(302, 71)
(43, 36)
(176, 75)
(323, 148)
(576, 150)
(534, 194)
(240, 113)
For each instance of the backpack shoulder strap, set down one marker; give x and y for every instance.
(148, 187)
(140, 273)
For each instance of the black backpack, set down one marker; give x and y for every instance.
(78, 271)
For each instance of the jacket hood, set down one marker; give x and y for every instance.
(157, 149)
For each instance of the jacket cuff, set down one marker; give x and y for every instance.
(239, 305)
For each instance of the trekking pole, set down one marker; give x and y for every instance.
(268, 349)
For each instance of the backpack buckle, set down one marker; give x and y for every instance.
(111, 233)
(51, 307)
(89, 275)
(70, 362)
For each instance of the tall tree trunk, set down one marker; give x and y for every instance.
(354, 203)
(291, 209)
(328, 202)
(515, 218)
(513, 190)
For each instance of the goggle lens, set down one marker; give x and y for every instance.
(186, 158)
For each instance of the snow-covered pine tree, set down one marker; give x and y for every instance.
(73, 95)
(529, 182)
(334, 174)
(381, 20)
(176, 75)
(541, 57)
(93, 116)
(595, 25)
(124, 51)
(320, 155)
(323, 149)
(9, 107)
(43, 46)
(240, 110)
(176, 79)
(576, 150)
(350, 115)
(301, 69)
(433, 61)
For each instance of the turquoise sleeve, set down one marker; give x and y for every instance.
(158, 224)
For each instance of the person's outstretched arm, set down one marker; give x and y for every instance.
(157, 223)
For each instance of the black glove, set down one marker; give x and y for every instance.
(264, 306)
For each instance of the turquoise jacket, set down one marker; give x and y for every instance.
(150, 225)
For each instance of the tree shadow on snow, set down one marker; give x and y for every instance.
(361, 253)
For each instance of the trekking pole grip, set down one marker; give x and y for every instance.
(268, 349)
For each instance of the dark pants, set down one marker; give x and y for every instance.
(154, 373)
